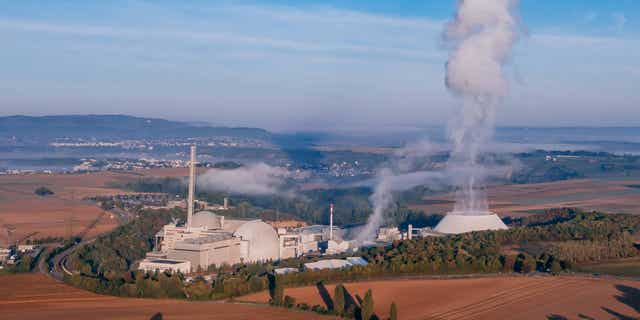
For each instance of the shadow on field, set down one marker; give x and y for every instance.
(157, 316)
(629, 296)
(325, 295)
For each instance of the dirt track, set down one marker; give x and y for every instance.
(34, 296)
(491, 298)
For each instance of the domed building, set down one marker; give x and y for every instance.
(214, 240)
(209, 239)
(207, 220)
(262, 241)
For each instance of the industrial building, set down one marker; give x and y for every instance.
(161, 265)
(336, 263)
(208, 239)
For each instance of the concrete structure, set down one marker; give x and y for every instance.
(4, 254)
(335, 246)
(331, 222)
(336, 263)
(285, 270)
(214, 240)
(357, 261)
(456, 223)
(389, 234)
(26, 247)
(413, 232)
(209, 239)
(161, 265)
(328, 264)
(192, 185)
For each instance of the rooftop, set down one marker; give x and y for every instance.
(166, 261)
(219, 236)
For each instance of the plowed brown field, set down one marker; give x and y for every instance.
(492, 298)
(34, 296)
(27, 214)
(614, 196)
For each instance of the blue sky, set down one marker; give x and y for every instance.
(308, 65)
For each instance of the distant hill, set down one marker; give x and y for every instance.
(113, 127)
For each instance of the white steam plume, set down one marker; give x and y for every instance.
(480, 37)
(254, 179)
(381, 200)
(407, 170)
(397, 176)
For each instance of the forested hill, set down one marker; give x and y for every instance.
(113, 127)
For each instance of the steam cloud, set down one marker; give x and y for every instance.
(255, 179)
(480, 38)
(397, 176)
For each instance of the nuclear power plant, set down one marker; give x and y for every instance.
(208, 239)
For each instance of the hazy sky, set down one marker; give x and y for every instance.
(310, 65)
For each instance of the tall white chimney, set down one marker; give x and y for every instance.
(192, 186)
(331, 222)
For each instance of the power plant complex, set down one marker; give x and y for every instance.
(208, 239)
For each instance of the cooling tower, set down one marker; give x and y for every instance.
(455, 223)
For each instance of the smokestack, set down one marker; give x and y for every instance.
(410, 232)
(226, 203)
(192, 186)
(331, 222)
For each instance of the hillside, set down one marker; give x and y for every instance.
(112, 127)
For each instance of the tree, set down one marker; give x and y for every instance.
(338, 299)
(289, 302)
(276, 291)
(393, 313)
(555, 268)
(43, 191)
(367, 306)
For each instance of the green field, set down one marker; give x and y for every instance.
(625, 268)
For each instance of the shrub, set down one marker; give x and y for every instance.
(43, 191)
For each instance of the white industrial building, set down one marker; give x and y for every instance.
(336, 263)
(162, 265)
(209, 239)
(4, 254)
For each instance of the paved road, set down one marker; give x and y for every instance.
(60, 261)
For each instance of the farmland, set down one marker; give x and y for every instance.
(35, 296)
(490, 298)
(614, 196)
(64, 212)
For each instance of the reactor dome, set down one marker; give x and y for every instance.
(263, 243)
(207, 219)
